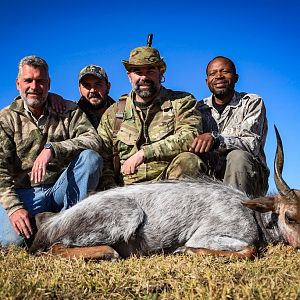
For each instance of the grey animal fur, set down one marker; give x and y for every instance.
(158, 217)
(175, 216)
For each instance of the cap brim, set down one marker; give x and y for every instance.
(128, 66)
(91, 73)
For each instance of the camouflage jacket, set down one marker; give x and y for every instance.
(21, 140)
(170, 125)
(242, 125)
(93, 115)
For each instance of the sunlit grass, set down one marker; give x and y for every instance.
(276, 275)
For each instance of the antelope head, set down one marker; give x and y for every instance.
(288, 201)
(286, 204)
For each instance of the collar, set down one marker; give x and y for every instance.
(235, 100)
(29, 111)
(20, 106)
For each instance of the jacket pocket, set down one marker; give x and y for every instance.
(163, 127)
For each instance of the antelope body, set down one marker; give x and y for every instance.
(196, 217)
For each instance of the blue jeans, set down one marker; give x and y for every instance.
(81, 177)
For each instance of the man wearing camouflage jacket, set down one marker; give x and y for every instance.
(157, 127)
(48, 161)
(235, 130)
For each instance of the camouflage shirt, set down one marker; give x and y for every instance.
(242, 124)
(22, 138)
(168, 128)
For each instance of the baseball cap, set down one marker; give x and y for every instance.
(93, 70)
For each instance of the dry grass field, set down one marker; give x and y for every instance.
(275, 275)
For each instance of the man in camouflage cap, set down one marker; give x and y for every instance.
(156, 130)
(94, 88)
(48, 160)
(145, 56)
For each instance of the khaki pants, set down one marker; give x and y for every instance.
(240, 170)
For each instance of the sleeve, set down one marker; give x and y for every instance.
(105, 131)
(82, 135)
(253, 129)
(188, 124)
(8, 197)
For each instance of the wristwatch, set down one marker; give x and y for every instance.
(49, 146)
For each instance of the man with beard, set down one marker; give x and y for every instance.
(48, 161)
(235, 130)
(94, 88)
(156, 127)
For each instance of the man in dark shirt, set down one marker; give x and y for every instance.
(94, 88)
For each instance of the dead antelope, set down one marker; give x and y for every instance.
(194, 217)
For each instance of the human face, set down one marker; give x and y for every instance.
(145, 82)
(33, 85)
(94, 90)
(221, 78)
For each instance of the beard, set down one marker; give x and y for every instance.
(152, 89)
(34, 102)
(95, 101)
(222, 93)
(95, 105)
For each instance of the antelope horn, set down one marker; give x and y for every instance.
(281, 185)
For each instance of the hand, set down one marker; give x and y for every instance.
(130, 165)
(57, 102)
(39, 166)
(21, 222)
(202, 143)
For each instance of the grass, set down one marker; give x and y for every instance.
(276, 275)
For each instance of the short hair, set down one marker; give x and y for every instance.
(225, 58)
(35, 61)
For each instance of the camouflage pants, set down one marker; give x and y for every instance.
(184, 165)
(240, 170)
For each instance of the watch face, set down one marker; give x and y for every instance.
(47, 146)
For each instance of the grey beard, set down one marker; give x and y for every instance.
(146, 94)
(35, 104)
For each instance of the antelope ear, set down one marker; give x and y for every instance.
(42, 218)
(263, 204)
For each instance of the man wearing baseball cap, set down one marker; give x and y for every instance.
(94, 88)
(157, 127)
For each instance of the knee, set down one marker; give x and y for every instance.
(239, 161)
(239, 158)
(8, 236)
(11, 239)
(186, 156)
(190, 162)
(91, 159)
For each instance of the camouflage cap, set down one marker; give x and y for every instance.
(143, 57)
(93, 70)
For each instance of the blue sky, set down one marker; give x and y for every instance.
(261, 37)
